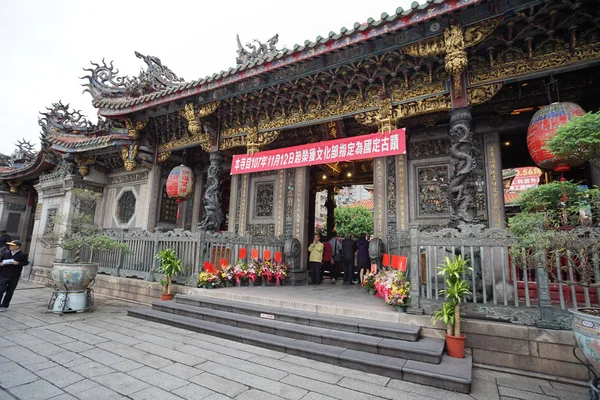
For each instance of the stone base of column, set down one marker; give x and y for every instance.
(298, 278)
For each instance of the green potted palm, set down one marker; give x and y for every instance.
(170, 266)
(457, 287)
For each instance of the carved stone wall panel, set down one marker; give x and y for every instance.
(125, 207)
(168, 207)
(16, 207)
(264, 200)
(261, 229)
(50, 223)
(433, 191)
(427, 148)
(138, 176)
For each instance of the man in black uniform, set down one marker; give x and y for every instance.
(11, 266)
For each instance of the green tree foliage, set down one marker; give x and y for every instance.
(353, 220)
(578, 139)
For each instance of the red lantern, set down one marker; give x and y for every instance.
(542, 127)
(180, 185)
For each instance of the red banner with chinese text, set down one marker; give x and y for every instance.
(348, 149)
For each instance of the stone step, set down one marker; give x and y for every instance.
(390, 330)
(450, 373)
(425, 350)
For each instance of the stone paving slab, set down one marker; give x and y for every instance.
(107, 355)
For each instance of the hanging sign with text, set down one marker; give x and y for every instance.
(348, 149)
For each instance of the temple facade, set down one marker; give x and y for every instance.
(461, 77)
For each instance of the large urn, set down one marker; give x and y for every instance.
(586, 329)
(73, 277)
(542, 127)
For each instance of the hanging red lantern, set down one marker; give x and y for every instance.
(542, 127)
(180, 185)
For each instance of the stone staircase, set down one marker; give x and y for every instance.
(390, 349)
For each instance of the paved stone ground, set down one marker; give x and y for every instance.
(107, 355)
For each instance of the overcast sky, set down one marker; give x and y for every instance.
(46, 43)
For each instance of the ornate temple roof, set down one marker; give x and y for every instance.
(115, 95)
(63, 131)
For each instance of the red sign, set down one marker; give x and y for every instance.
(254, 254)
(267, 255)
(525, 178)
(386, 260)
(399, 262)
(278, 256)
(348, 149)
(242, 253)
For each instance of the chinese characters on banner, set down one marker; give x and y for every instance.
(348, 149)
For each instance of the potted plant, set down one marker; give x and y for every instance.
(170, 266)
(78, 232)
(457, 287)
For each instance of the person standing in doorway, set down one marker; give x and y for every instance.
(4, 238)
(327, 258)
(11, 267)
(363, 257)
(348, 250)
(315, 259)
(336, 249)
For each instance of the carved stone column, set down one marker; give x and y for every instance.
(401, 193)
(493, 177)
(380, 198)
(300, 218)
(213, 216)
(197, 211)
(330, 204)
(462, 188)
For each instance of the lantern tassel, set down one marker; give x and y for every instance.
(179, 201)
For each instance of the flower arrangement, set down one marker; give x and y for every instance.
(226, 272)
(399, 291)
(280, 272)
(252, 272)
(266, 271)
(369, 281)
(209, 280)
(389, 284)
(239, 272)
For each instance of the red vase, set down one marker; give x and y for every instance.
(456, 345)
(167, 296)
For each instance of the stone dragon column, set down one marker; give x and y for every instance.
(213, 216)
(462, 188)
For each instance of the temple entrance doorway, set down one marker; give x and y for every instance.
(342, 187)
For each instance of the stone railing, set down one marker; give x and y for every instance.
(194, 249)
(504, 288)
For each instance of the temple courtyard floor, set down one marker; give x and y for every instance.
(105, 354)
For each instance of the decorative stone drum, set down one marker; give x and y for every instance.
(74, 276)
(586, 328)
